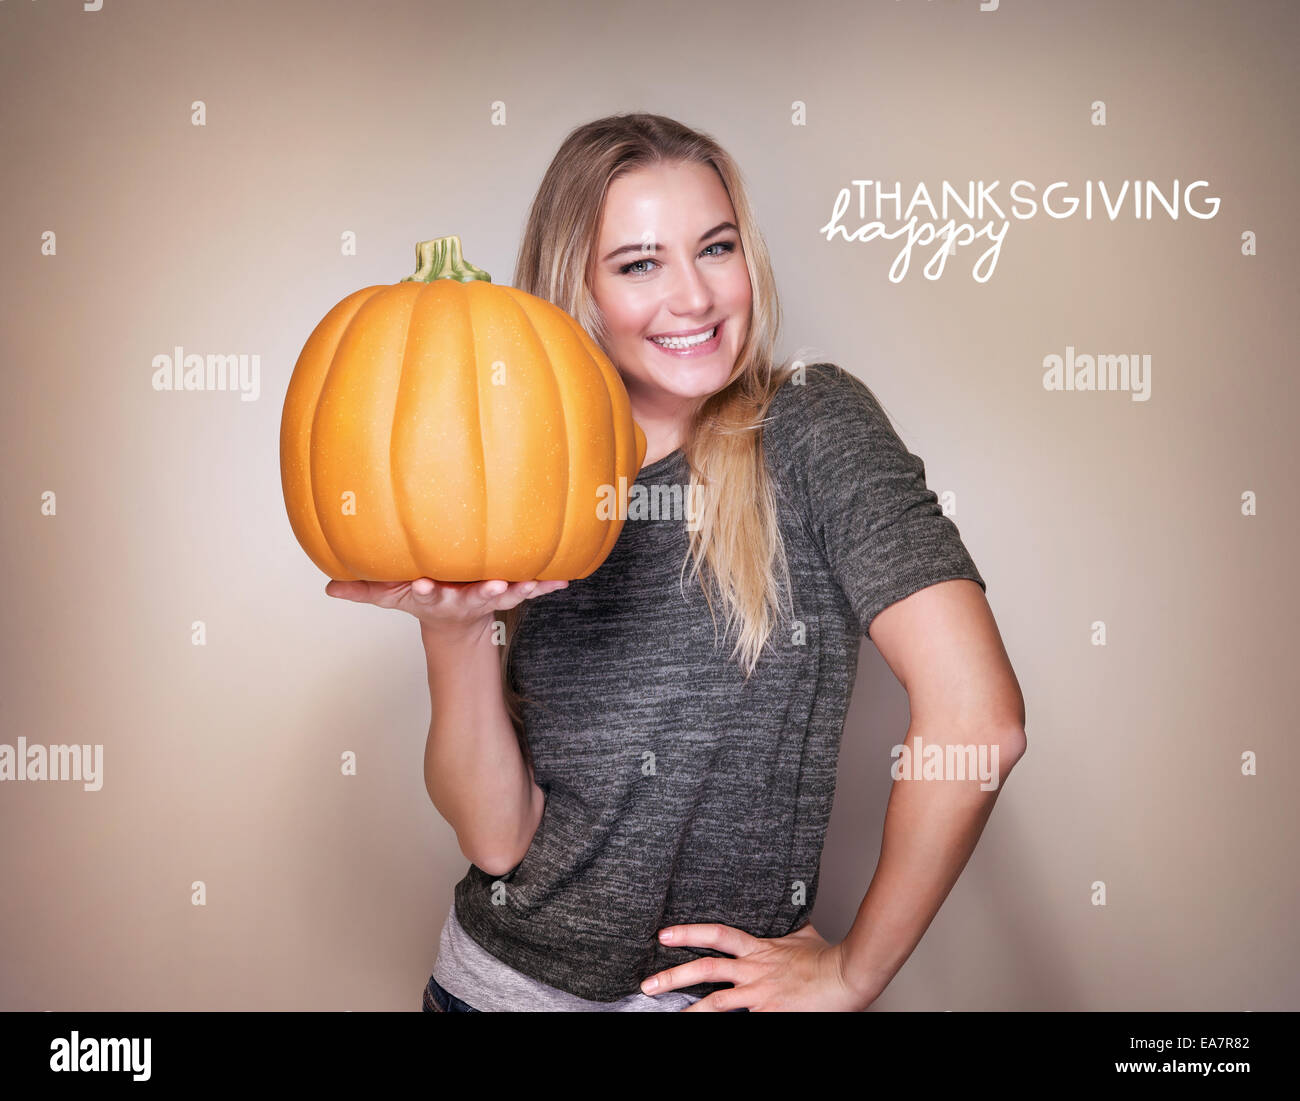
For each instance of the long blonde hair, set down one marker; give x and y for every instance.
(737, 542)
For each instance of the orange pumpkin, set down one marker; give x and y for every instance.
(446, 427)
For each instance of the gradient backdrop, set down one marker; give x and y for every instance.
(221, 760)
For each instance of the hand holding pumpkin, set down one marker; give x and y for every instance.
(446, 606)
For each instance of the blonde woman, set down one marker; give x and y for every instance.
(644, 805)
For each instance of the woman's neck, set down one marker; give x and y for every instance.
(665, 430)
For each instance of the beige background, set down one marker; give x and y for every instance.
(221, 761)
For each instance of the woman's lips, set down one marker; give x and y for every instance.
(704, 349)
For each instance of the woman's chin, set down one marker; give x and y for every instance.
(689, 378)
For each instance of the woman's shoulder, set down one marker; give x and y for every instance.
(818, 405)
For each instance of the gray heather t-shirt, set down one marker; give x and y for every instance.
(677, 792)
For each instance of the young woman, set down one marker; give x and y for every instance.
(643, 810)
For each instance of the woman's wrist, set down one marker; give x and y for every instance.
(454, 635)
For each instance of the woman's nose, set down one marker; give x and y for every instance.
(690, 293)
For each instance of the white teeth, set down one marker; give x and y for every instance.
(684, 341)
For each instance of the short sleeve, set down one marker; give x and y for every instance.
(863, 495)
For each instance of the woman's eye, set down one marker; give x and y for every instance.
(726, 246)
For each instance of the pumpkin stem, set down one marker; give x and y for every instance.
(441, 259)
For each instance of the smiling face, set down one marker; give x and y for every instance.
(668, 263)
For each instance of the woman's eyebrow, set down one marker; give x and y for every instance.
(721, 227)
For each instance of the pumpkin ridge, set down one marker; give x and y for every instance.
(463, 298)
(398, 509)
(587, 342)
(611, 537)
(311, 434)
(515, 296)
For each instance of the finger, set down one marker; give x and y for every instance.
(513, 595)
(725, 938)
(349, 590)
(704, 969)
(543, 587)
(489, 590)
(525, 590)
(461, 595)
(714, 1003)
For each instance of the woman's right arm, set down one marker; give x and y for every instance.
(474, 769)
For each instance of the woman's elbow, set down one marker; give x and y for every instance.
(1011, 747)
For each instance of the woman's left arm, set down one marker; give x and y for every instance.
(943, 645)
